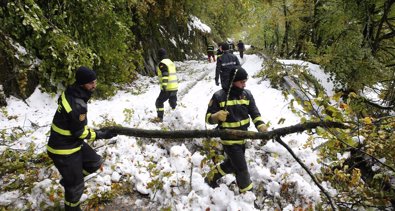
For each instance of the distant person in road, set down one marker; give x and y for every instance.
(225, 63)
(231, 46)
(234, 113)
(73, 157)
(168, 84)
(219, 50)
(210, 52)
(241, 48)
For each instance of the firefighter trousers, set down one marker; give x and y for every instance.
(235, 162)
(162, 98)
(73, 168)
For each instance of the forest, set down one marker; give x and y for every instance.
(352, 40)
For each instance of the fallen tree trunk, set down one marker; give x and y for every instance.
(224, 134)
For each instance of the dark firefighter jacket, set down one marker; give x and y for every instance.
(231, 47)
(240, 105)
(219, 52)
(225, 64)
(69, 126)
(240, 46)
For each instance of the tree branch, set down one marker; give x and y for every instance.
(278, 139)
(225, 134)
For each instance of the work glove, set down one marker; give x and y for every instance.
(105, 134)
(262, 128)
(220, 116)
(217, 83)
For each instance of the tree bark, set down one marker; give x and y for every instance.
(224, 134)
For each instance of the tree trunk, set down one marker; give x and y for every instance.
(224, 134)
(284, 46)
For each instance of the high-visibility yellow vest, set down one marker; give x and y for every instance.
(172, 83)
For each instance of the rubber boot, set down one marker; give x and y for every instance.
(213, 183)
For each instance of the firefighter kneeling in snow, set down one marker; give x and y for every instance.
(73, 157)
(234, 113)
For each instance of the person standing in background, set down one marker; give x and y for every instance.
(210, 52)
(231, 47)
(225, 63)
(168, 84)
(219, 50)
(241, 48)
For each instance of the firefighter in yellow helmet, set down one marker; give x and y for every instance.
(71, 155)
(168, 84)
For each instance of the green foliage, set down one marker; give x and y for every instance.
(107, 122)
(352, 176)
(350, 39)
(350, 65)
(359, 161)
(128, 113)
(67, 35)
(97, 199)
(212, 156)
(224, 17)
(157, 177)
(61, 36)
(274, 71)
(15, 163)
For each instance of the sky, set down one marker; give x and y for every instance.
(129, 159)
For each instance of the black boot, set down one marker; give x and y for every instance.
(69, 208)
(61, 182)
(212, 183)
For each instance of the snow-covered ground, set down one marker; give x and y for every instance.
(130, 159)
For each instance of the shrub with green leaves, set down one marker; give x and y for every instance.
(64, 36)
(350, 64)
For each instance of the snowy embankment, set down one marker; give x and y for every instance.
(133, 160)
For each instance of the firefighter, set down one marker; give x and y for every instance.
(241, 48)
(168, 84)
(210, 52)
(231, 46)
(225, 63)
(73, 157)
(219, 50)
(234, 112)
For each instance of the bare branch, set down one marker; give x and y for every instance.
(278, 139)
(225, 134)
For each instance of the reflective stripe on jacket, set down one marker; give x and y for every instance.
(167, 78)
(240, 107)
(210, 49)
